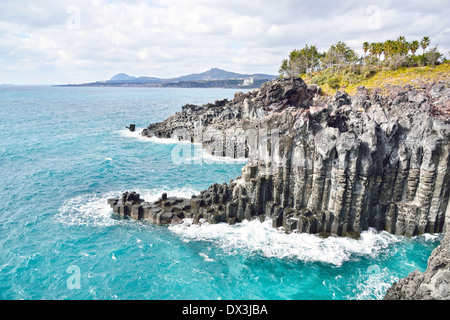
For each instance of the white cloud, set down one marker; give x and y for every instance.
(81, 41)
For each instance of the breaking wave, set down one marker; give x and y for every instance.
(261, 238)
(191, 152)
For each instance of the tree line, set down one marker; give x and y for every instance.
(391, 53)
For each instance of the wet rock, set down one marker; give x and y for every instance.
(132, 127)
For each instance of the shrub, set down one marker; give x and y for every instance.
(334, 83)
(433, 57)
(397, 61)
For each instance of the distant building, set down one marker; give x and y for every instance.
(247, 82)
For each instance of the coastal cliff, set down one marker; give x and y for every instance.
(317, 164)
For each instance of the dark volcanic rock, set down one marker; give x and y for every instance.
(330, 165)
(164, 211)
(350, 162)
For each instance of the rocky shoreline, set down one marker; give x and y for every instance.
(316, 164)
(433, 284)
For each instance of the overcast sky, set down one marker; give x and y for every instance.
(60, 42)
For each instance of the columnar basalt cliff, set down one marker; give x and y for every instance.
(316, 164)
(336, 165)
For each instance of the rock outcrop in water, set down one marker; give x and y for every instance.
(164, 211)
(335, 165)
(132, 127)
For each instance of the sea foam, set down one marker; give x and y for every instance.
(261, 238)
(137, 135)
(132, 134)
(253, 237)
(196, 154)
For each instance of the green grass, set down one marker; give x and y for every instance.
(349, 78)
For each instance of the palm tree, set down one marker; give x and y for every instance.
(413, 46)
(366, 47)
(403, 45)
(371, 53)
(424, 43)
(379, 49)
(389, 48)
(382, 50)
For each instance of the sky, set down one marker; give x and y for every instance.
(70, 41)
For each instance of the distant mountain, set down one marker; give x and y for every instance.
(218, 74)
(125, 79)
(214, 78)
(122, 77)
(210, 75)
(148, 79)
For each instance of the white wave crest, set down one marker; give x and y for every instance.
(133, 135)
(194, 155)
(137, 135)
(428, 237)
(88, 209)
(363, 284)
(166, 140)
(262, 238)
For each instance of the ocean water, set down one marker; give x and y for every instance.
(64, 151)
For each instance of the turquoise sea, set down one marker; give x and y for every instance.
(65, 150)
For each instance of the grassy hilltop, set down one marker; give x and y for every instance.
(376, 77)
(383, 64)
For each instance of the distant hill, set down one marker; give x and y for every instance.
(218, 74)
(122, 77)
(148, 79)
(212, 78)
